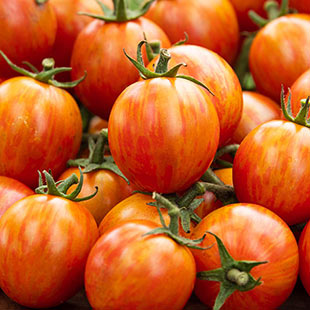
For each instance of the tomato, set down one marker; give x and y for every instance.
(135, 207)
(301, 5)
(127, 270)
(249, 231)
(300, 90)
(211, 69)
(212, 24)
(96, 124)
(111, 190)
(159, 146)
(257, 109)
(44, 244)
(69, 24)
(304, 258)
(271, 168)
(41, 128)
(28, 32)
(11, 191)
(99, 50)
(283, 36)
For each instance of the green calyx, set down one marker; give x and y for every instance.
(46, 75)
(124, 10)
(60, 188)
(302, 116)
(230, 149)
(161, 69)
(233, 275)
(96, 159)
(40, 1)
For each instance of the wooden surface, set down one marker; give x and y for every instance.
(299, 300)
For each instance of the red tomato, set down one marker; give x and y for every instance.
(163, 147)
(249, 232)
(301, 5)
(28, 32)
(270, 154)
(41, 129)
(99, 50)
(11, 191)
(304, 257)
(212, 24)
(257, 109)
(126, 270)
(69, 24)
(276, 56)
(44, 244)
(111, 190)
(134, 208)
(212, 70)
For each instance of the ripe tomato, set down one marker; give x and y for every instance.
(163, 134)
(257, 109)
(96, 124)
(28, 32)
(41, 128)
(249, 232)
(283, 36)
(211, 69)
(273, 152)
(212, 24)
(111, 190)
(11, 191)
(126, 270)
(99, 50)
(44, 244)
(304, 257)
(301, 5)
(69, 24)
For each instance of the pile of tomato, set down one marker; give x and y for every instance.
(153, 150)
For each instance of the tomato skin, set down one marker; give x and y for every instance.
(28, 34)
(41, 128)
(111, 190)
(153, 134)
(245, 230)
(99, 51)
(257, 109)
(164, 270)
(301, 5)
(283, 36)
(212, 70)
(11, 191)
(304, 257)
(96, 124)
(44, 244)
(212, 24)
(273, 152)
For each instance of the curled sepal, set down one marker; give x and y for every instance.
(47, 74)
(124, 10)
(161, 69)
(182, 42)
(60, 188)
(301, 117)
(233, 275)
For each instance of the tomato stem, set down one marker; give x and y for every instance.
(210, 177)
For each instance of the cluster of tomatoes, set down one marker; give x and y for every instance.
(169, 167)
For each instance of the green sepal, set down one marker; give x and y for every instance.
(46, 75)
(40, 1)
(210, 177)
(61, 187)
(182, 42)
(124, 10)
(229, 286)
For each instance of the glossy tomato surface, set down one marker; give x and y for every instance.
(271, 169)
(44, 244)
(249, 233)
(163, 134)
(127, 270)
(41, 128)
(257, 109)
(212, 70)
(277, 55)
(99, 50)
(304, 257)
(212, 24)
(111, 190)
(11, 191)
(28, 33)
